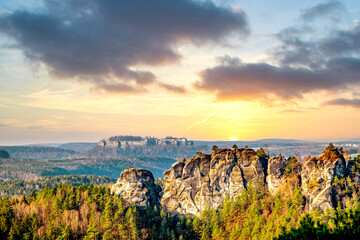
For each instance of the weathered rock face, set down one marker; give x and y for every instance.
(137, 186)
(203, 182)
(318, 175)
(276, 169)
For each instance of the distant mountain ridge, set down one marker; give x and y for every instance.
(78, 146)
(173, 147)
(37, 152)
(72, 145)
(280, 140)
(260, 141)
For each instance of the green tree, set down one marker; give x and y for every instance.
(200, 154)
(4, 153)
(131, 222)
(14, 233)
(65, 233)
(93, 230)
(106, 221)
(6, 217)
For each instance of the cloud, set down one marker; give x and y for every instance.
(104, 41)
(3, 125)
(292, 111)
(316, 53)
(172, 88)
(304, 63)
(261, 80)
(228, 60)
(118, 88)
(332, 9)
(201, 121)
(344, 102)
(34, 127)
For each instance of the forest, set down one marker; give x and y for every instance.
(83, 207)
(21, 187)
(37, 152)
(14, 169)
(92, 212)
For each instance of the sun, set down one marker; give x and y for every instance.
(233, 138)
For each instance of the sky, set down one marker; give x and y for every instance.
(83, 70)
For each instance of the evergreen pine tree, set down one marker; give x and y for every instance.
(65, 233)
(106, 221)
(93, 230)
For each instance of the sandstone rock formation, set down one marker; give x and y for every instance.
(204, 181)
(137, 186)
(318, 175)
(121, 146)
(125, 142)
(276, 169)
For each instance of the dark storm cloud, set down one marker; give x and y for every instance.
(345, 102)
(96, 39)
(303, 65)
